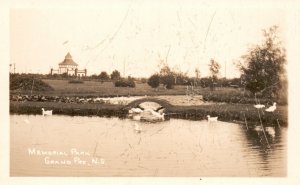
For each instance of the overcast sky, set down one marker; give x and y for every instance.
(133, 36)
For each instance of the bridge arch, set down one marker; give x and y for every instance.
(164, 103)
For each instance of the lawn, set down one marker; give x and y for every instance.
(94, 88)
(99, 89)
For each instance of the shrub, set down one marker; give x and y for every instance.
(103, 76)
(154, 81)
(125, 83)
(168, 81)
(76, 81)
(115, 75)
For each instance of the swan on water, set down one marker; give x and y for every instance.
(212, 119)
(47, 112)
(135, 111)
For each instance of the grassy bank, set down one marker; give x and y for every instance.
(241, 113)
(67, 109)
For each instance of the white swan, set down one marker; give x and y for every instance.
(135, 111)
(259, 106)
(47, 112)
(258, 128)
(272, 108)
(212, 119)
(137, 128)
(158, 115)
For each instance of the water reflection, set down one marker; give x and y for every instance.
(269, 142)
(171, 148)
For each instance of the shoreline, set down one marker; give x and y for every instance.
(237, 113)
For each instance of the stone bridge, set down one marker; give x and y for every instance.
(135, 103)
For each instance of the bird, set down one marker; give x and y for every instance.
(258, 128)
(158, 115)
(137, 128)
(272, 108)
(259, 106)
(47, 112)
(135, 111)
(212, 119)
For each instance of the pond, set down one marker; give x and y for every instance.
(98, 146)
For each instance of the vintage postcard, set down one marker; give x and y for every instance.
(135, 88)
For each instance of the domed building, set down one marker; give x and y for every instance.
(69, 67)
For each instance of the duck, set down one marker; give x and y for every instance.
(47, 112)
(272, 108)
(259, 106)
(212, 119)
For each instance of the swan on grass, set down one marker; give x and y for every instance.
(272, 108)
(259, 106)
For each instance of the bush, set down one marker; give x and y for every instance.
(168, 81)
(76, 81)
(103, 76)
(154, 81)
(115, 75)
(125, 83)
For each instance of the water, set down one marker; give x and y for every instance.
(95, 146)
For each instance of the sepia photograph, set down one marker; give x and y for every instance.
(141, 88)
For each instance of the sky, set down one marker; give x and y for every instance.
(135, 36)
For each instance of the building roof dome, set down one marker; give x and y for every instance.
(68, 61)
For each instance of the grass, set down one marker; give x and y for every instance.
(99, 89)
(108, 89)
(231, 112)
(67, 109)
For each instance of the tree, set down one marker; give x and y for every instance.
(168, 81)
(167, 76)
(214, 68)
(103, 75)
(263, 66)
(115, 75)
(154, 81)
